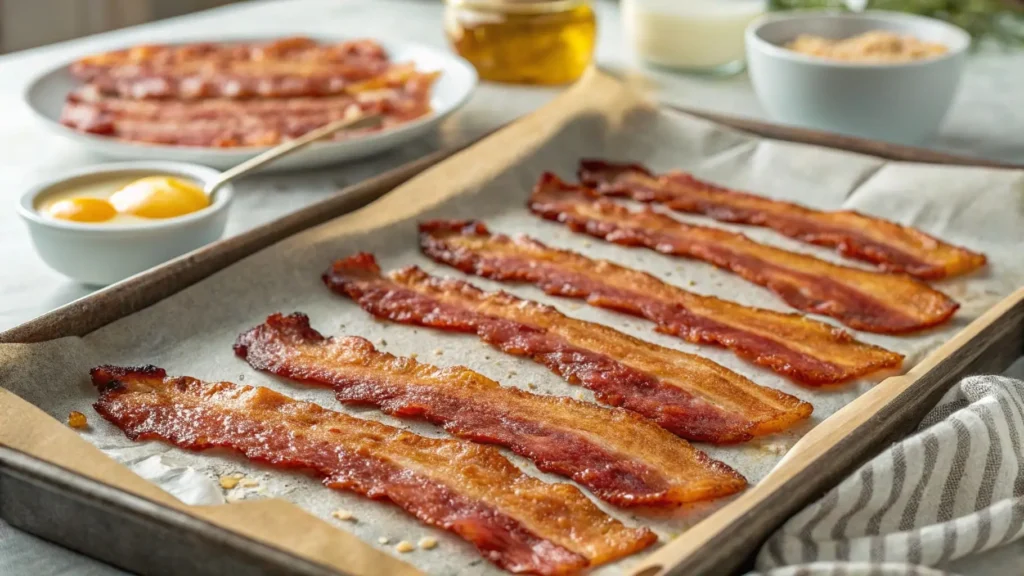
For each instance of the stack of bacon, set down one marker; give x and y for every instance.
(229, 95)
(632, 452)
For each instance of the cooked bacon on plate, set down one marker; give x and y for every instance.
(189, 126)
(229, 95)
(518, 522)
(617, 455)
(809, 351)
(224, 122)
(688, 395)
(861, 299)
(294, 49)
(284, 68)
(891, 246)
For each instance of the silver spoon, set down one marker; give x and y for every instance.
(285, 148)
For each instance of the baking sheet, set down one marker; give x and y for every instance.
(192, 332)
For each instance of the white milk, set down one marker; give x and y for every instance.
(689, 34)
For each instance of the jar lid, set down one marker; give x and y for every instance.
(519, 6)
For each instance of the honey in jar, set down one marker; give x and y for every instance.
(523, 41)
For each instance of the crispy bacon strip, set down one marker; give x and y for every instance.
(285, 68)
(861, 299)
(891, 246)
(201, 54)
(811, 352)
(227, 129)
(620, 457)
(252, 122)
(687, 395)
(516, 521)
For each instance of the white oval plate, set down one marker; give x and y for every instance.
(46, 95)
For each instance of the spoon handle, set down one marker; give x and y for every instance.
(368, 121)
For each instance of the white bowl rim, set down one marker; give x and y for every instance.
(27, 209)
(754, 38)
(435, 114)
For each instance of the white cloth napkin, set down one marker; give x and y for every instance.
(953, 489)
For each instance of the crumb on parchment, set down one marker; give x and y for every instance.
(344, 515)
(404, 546)
(77, 420)
(427, 542)
(229, 481)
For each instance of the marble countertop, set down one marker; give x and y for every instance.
(987, 121)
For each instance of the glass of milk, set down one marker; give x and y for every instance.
(704, 36)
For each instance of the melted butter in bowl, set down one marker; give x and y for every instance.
(112, 198)
(103, 223)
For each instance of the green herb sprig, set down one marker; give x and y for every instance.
(998, 20)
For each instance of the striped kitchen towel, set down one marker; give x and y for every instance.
(954, 488)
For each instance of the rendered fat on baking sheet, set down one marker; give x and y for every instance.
(192, 332)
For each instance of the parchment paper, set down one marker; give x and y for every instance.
(192, 332)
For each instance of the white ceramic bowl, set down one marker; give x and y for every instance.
(897, 102)
(101, 254)
(46, 94)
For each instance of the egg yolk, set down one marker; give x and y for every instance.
(159, 197)
(82, 210)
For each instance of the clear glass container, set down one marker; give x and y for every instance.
(523, 41)
(703, 36)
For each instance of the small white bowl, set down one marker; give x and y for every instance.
(101, 254)
(902, 102)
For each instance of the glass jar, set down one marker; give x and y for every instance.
(704, 36)
(523, 41)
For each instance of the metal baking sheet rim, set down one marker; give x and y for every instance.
(67, 494)
(50, 491)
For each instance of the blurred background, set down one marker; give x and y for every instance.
(31, 23)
